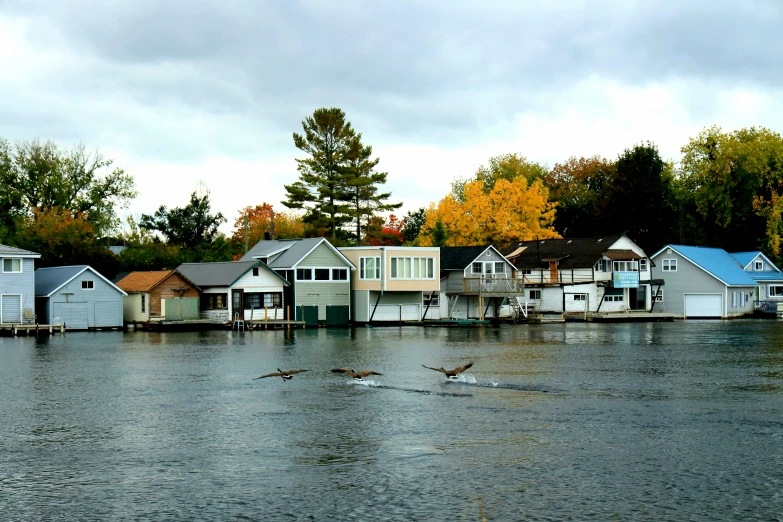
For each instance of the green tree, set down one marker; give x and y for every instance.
(189, 227)
(327, 139)
(361, 185)
(578, 186)
(412, 223)
(735, 182)
(640, 198)
(506, 166)
(76, 180)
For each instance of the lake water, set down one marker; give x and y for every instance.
(645, 421)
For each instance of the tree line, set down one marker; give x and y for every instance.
(725, 191)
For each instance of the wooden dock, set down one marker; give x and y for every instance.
(15, 329)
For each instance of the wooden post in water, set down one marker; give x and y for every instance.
(288, 313)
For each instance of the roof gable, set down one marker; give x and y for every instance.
(715, 261)
(141, 281)
(745, 259)
(50, 280)
(290, 252)
(221, 273)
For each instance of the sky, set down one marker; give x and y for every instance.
(183, 94)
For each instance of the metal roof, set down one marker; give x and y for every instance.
(6, 250)
(715, 261)
(570, 252)
(222, 273)
(49, 280)
(293, 251)
(746, 258)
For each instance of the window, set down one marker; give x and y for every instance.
(579, 297)
(253, 300)
(255, 271)
(602, 266)
(213, 301)
(431, 299)
(643, 265)
(758, 266)
(88, 285)
(775, 290)
(12, 264)
(339, 274)
(304, 274)
(613, 295)
(527, 271)
(273, 300)
(322, 274)
(625, 266)
(143, 302)
(477, 268)
(369, 268)
(412, 268)
(669, 265)
(535, 294)
(659, 295)
(500, 267)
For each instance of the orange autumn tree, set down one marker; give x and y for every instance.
(259, 220)
(380, 234)
(511, 211)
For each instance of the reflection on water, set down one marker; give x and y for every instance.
(649, 421)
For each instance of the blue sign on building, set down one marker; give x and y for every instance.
(626, 280)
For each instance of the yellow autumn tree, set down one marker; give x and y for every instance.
(511, 211)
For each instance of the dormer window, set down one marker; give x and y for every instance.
(758, 266)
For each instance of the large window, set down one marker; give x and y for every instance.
(339, 274)
(214, 302)
(613, 295)
(304, 274)
(369, 268)
(11, 264)
(412, 268)
(775, 290)
(477, 268)
(322, 274)
(669, 265)
(258, 300)
(625, 266)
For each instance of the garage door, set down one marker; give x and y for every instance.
(108, 313)
(408, 312)
(11, 308)
(703, 305)
(74, 315)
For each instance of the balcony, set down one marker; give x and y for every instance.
(498, 285)
(563, 276)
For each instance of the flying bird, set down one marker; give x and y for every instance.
(286, 375)
(451, 373)
(356, 375)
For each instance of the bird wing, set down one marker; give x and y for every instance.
(343, 370)
(441, 370)
(461, 369)
(295, 371)
(275, 374)
(368, 372)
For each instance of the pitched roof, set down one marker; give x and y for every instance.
(6, 250)
(222, 273)
(293, 251)
(49, 280)
(569, 252)
(458, 258)
(746, 258)
(146, 281)
(716, 262)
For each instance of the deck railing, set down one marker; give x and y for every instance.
(568, 276)
(497, 284)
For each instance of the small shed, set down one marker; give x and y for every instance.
(78, 296)
(159, 295)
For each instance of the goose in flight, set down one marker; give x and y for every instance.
(451, 373)
(286, 375)
(356, 375)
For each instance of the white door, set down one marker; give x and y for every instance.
(108, 313)
(11, 308)
(406, 312)
(703, 305)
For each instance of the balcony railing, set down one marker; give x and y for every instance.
(567, 276)
(498, 284)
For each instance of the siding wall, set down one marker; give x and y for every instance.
(322, 256)
(110, 299)
(386, 254)
(22, 283)
(322, 293)
(164, 290)
(131, 307)
(687, 279)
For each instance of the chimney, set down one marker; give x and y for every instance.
(267, 236)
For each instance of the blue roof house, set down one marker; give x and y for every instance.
(703, 282)
(78, 296)
(17, 284)
(764, 272)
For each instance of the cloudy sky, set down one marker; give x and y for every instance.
(181, 92)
